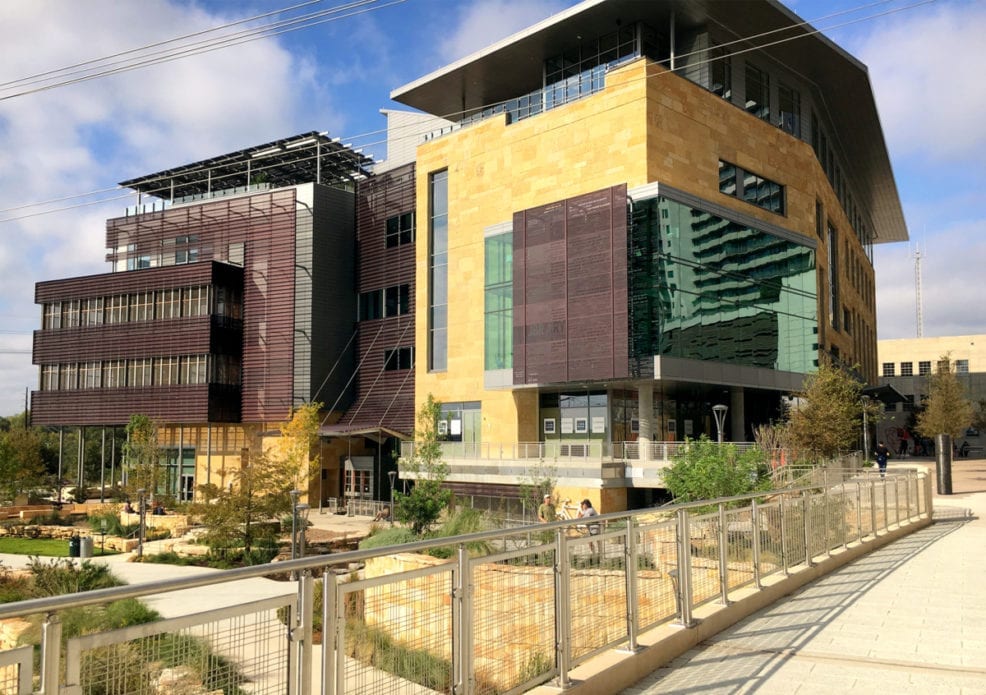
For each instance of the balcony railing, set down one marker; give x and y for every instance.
(519, 608)
(589, 450)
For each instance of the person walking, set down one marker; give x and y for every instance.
(882, 454)
(587, 511)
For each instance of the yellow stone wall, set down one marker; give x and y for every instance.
(647, 125)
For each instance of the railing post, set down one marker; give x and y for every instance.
(785, 553)
(873, 507)
(300, 639)
(755, 536)
(462, 628)
(563, 622)
(329, 597)
(886, 506)
(897, 498)
(859, 512)
(842, 516)
(806, 526)
(684, 583)
(907, 496)
(51, 648)
(630, 562)
(723, 557)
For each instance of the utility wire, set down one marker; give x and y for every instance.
(811, 32)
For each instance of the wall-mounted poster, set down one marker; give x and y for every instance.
(581, 425)
(567, 425)
(549, 425)
(456, 428)
(442, 427)
(672, 427)
(635, 425)
(688, 428)
(598, 424)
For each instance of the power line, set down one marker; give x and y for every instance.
(200, 47)
(805, 24)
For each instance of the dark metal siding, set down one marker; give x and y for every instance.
(171, 404)
(570, 290)
(384, 398)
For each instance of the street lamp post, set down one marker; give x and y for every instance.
(719, 411)
(302, 510)
(866, 431)
(392, 475)
(142, 512)
(295, 494)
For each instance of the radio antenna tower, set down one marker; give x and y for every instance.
(917, 289)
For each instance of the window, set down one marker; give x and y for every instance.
(224, 369)
(888, 369)
(235, 253)
(138, 262)
(116, 309)
(194, 369)
(751, 188)
(396, 300)
(720, 74)
(944, 366)
(49, 377)
(184, 253)
(398, 358)
(757, 92)
(499, 302)
(400, 230)
(165, 371)
(52, 316)
(924, 368)
(789, 107)
(819, 219)
(90, 375)
(68, 377)
(92, 311)
(846, 320)
(195, 301)
(907, 369)
(438, 271)
(961, 366)
(142, 306)
(833, 277)
(166, 304)
(370, 305)
(139, 373)
(114, 374)
(70, 313)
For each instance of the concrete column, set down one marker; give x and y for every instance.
(645, 415)
(737, 415)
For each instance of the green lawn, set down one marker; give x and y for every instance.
(47, 547)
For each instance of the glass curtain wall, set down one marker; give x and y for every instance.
(707, 288)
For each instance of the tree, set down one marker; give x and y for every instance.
(22, 465)
(705, 470)
(141, 455)
(261, 487)
(537, 482)
(946, 410)
(422, 506)
(827, 419)
(299, 436)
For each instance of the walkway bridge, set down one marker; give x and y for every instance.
(539, 608)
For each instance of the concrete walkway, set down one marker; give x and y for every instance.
(907, 618)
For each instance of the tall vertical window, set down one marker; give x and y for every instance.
(757, 92)
(52, 317)
(49, 377)
(70, 313)
(194, 301)
(92, 311)
(116, 309)
(961, 366)
(789, 106)
(720, 74)
(924, 368)
(194, 369)
(833, 277)
(90, 375)
(438, 271)
(499, 302)
(139, 372)
(142, 306)
(68, 377)
(114, 374)
(165, 371)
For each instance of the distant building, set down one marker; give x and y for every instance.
(586, 236)
(906, 363)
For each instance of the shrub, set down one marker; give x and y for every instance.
(63, 576)
(391, 536)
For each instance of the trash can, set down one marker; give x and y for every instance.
(85, 546)
(73, 546)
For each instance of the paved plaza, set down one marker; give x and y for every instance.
(907, 618)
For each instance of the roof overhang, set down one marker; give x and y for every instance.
(369, 431)
(513, 66)
(885, 393)
(305, 158)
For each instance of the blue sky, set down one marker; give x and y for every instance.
(925, 60)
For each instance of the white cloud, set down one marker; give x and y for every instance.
(925, 68)
(487, 21)
(90, 135)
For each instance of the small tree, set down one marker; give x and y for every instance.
(300, 435)
(827, 419)
(422, 506)
(537, 482)
(946, 410)
(704, 470)
(141, 455)
(21, 461)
